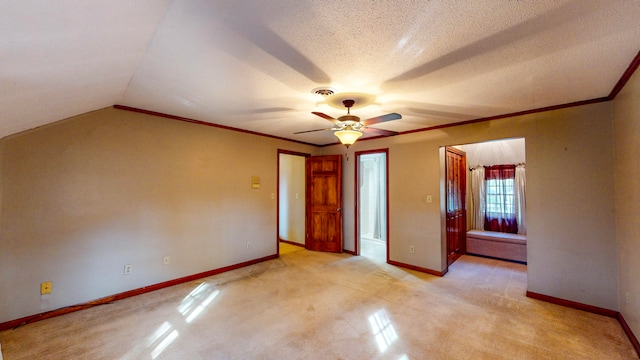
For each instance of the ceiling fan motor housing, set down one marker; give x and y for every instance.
(348, 103)
(349, 118)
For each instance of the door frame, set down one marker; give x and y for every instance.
(294, 153)
(357, 198)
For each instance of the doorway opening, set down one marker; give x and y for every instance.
(493, 198)
(291, 201)
(372, 205)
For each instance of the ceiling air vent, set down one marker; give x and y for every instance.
(324, 91)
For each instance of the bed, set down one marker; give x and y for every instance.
(498, 245)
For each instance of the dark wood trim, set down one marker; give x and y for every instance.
(592, 309)
(200, 122)
(625, 77)
(627, 330)
(349, 252)
(455, 151)
(109, 299)
(356, 205)
(386, 183)
(508, 115)
(374, 151)
(417, 268)
(292, 243)
(296, 153)
(573, 304)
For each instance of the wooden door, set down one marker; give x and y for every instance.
(324, 203)
(456, 183)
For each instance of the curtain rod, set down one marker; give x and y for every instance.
(486, 166)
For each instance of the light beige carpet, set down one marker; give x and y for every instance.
(311, 305)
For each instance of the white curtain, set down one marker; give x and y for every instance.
(478, 197)
(521, 199)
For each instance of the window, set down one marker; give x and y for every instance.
(500, 199)
(500, 196)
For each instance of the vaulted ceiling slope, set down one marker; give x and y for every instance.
(253, 64)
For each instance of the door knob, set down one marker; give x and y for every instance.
(338, 210)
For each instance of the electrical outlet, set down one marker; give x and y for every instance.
(166, 260)
(626, 296)
(412, 249)
(127, 269)
(248, 245)
(45, 288)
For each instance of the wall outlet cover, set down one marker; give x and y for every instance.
(45, 288)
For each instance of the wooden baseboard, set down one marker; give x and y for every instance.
(349, 252)
(417, 268)
(109, 299)
(630, 335)
(291, 242)
(573, 304)
(592, 309)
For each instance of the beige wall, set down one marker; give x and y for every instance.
(571, 238)
(627, 172)
(85, 196)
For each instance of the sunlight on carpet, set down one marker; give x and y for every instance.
(288, 248)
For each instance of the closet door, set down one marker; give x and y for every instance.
(456, 184)
(324, 203)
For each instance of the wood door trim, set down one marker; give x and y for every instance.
(455, 150)
(356, 238)
(289, 152)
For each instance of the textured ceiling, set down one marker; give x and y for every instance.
(252, 64)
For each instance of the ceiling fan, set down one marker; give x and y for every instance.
(348, 128)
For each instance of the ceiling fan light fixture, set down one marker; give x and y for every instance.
(348, 136)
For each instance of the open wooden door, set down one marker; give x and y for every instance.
(324, 203)
(456, 183)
